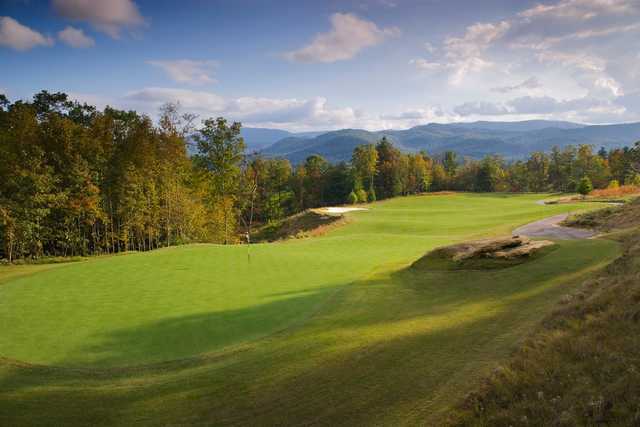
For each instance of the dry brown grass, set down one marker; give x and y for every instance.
(612, 218)
(623, 190)
(309, 223)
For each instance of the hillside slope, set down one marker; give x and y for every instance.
(581, 367)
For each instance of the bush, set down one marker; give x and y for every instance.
(352, 199)
(635, 181)
(613, 184)
(362, 196)
(585, 186)
(371, 195)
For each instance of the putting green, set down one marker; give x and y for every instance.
(179, 302)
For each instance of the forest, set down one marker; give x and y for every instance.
(75, 180)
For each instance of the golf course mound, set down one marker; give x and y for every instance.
(310, 223)
(483, 254)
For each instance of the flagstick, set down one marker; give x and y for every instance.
(248, 245)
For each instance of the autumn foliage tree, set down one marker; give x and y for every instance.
(75, 180)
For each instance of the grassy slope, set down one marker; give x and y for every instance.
(581, 366)
(395, 347)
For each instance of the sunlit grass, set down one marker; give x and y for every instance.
(99, 307)
(335, 330)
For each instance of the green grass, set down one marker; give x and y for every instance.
(331, 330)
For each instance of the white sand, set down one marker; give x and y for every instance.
(338, 210)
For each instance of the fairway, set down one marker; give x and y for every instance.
(179, 302)
(332, 330)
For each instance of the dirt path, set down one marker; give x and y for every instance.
(551, 228)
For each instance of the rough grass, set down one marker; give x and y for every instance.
(333, 330)
(305, 224)
(581, 366)
(621, 191)
(605, 220)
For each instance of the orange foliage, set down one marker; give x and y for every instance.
(623, 190)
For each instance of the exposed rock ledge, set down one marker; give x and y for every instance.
(499, 248)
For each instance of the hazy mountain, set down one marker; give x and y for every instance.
(511, 140)
(258, 138)
(334, 146)
(522, 126)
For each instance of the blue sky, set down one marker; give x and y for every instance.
(316, 65)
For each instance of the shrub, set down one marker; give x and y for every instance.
(371, 195)
(613, 184)
(352, 199)
(585, 186)
(362, 196)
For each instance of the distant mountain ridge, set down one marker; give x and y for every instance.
(512, 140)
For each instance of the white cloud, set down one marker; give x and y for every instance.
(187, 70)
(465, 67)
(348, 36)
(477, 38)
(285, 113)
(579, 9)
(150, 99)
(580, 61)
(108, 16)
(542, 107)
(426, 65)
(412, 117)
(459, 70)
(289, 111)
(580, 48)
(530, 83)
(429, 47)
(606, 87)
(292, 114)
(465, 55)
(20, 37)
(76, 38)
(481, 108)
(547, 104)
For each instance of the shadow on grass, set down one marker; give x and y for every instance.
(372, 355)
(186, 337)
(295, 380)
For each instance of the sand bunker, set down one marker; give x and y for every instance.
(340, 209)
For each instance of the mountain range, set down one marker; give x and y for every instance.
(512, 140)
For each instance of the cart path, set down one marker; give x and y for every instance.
(551, 228)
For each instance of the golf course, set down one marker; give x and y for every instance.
(335, 329)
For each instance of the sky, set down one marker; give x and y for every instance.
(322, 65)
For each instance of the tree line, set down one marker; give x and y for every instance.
(75, 180)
